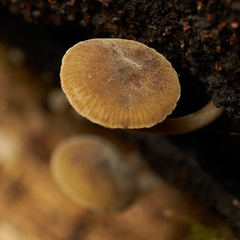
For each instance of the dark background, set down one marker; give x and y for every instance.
(200, 39)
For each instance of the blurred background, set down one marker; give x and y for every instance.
(195, 194)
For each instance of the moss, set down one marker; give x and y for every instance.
(200, 232)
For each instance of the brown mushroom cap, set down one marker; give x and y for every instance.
(119, 83)
(91, 171)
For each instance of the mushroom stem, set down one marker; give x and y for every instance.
(187, 123)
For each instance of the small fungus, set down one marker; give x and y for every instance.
(187, 123)
(121, 83)
(92, 172)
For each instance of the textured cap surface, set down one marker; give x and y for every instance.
(119, 83)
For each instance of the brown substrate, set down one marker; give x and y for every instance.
(177, 160)
(32, 205)
(200, 38)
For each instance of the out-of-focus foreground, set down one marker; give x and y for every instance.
(31, 204)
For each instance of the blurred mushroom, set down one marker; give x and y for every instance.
(121, 83)
(16, 56)
(92, 172)
(57, 101)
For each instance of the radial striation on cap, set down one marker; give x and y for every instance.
(92, 172)
(119, 83)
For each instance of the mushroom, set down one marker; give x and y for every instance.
(93, 173)
(121, 83)
(189, 122)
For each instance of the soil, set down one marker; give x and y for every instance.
(31, 203)
(200, 38)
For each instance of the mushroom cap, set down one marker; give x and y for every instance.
(119, 83)
(91, 171)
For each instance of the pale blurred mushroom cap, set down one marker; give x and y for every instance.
(92, 172)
